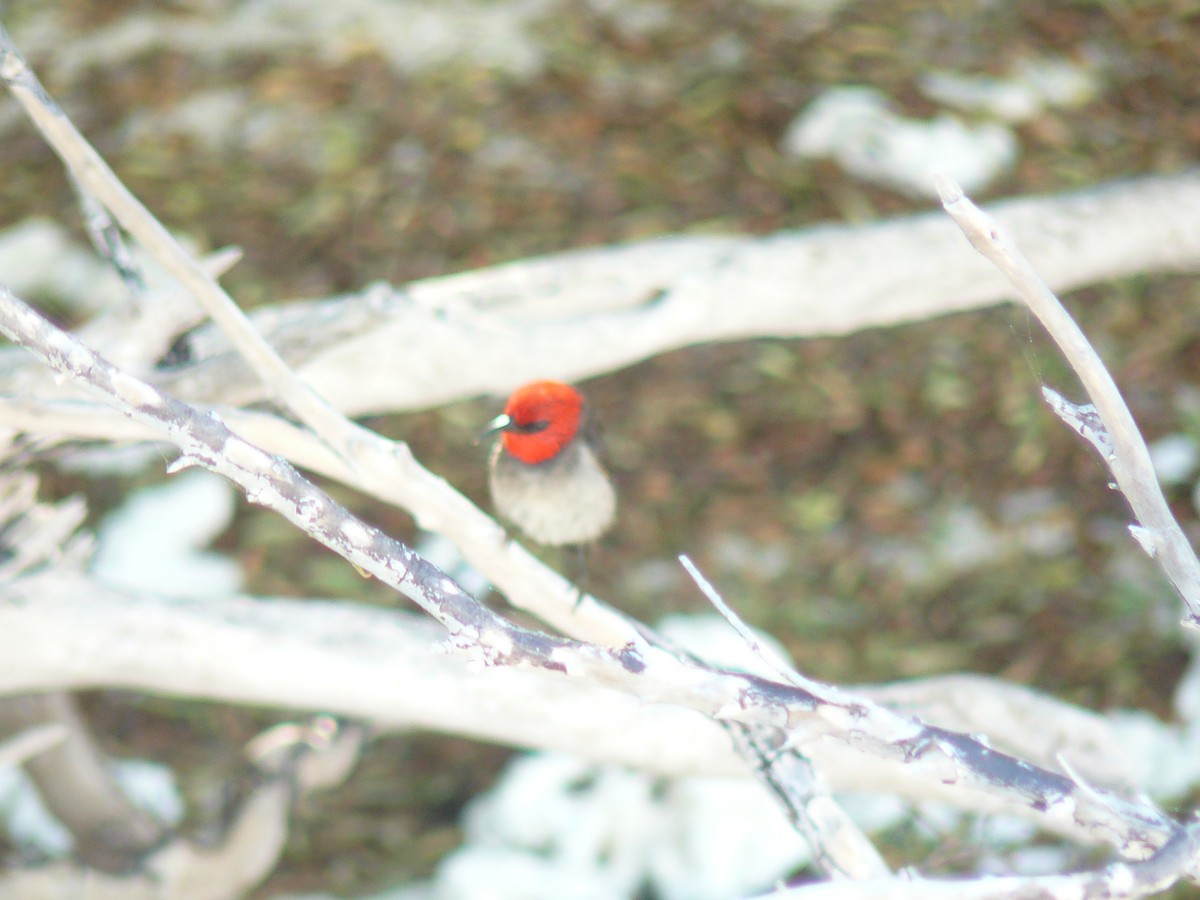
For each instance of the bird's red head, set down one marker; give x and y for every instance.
(543, 418)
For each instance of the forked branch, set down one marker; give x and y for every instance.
(1108, 425)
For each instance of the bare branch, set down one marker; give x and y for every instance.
(510, 327)
(96, 179)
(934, 754)
(29, 743)
(386, 466)
(586, 312)
(838, 845)
(34, 535)
(76, 783)
(583, 313)
(107, 239)
(383, 666)
(248, 851)
(744, 631)
(1128, 457)
(1179, 858)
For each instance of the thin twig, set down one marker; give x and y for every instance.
(96, 179)
(107, 239)
(839, 846)
(745, 632)
(375, 460)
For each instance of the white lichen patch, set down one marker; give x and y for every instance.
(475, 657)
(247, 457)
(1063, 809)
(569, 661)
(308, 509)
(731, 711)
(262, 493)
(499, 640)
(76, 358)
(396, 567)
(355, 532)
(839, 717)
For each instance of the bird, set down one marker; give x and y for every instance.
(543, 472)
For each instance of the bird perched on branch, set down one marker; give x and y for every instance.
(543, 473)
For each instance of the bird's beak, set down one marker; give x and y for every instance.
(500, 423)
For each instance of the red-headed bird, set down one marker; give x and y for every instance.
(544, 476)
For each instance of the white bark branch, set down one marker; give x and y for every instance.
(839, 847)
(811, 715)
(1127, 455)
(78, 786)
(384, 666)
(246, 854)
(1178, 858)
(362, 456)
(568, 316)
(311, 654)
(583, 313)
(29, 743)
(96, 179)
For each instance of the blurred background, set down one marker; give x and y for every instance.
(894, 504)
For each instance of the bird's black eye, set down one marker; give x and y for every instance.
(530, 427)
